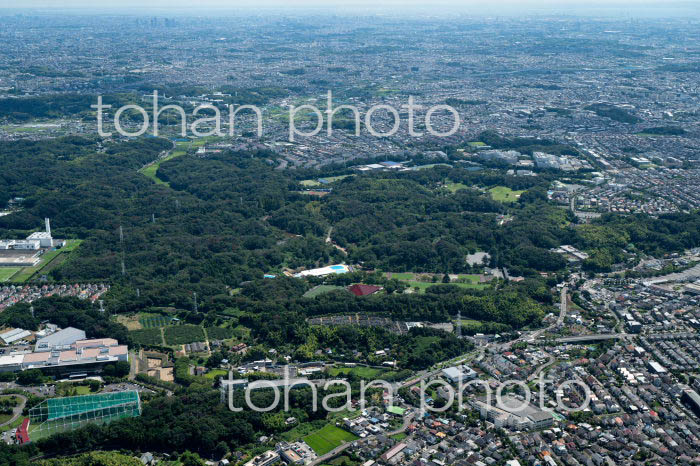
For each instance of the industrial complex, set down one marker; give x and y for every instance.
(66, 352)
(27, 252)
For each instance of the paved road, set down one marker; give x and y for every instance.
(426, 375)
(563, 301)
(542, 367)
(133, 365)
(330, 455)
(17, 410)
(593, 337)
(564, 297)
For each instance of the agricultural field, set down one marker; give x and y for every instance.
(183, 334)
(155, 321)
(6, 273)
(343, 460)
(220, 333)
(148, 336)
(503, 194)
(329, 437)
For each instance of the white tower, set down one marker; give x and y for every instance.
(48, 225)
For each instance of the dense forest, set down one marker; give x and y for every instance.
(217, 224)
(231, 217)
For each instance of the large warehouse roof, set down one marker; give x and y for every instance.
(12, 336)
(65, 337)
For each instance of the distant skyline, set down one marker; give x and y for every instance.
(390, 6)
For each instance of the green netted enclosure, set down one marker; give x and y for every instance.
(62, 414)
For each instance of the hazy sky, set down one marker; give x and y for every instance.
(233, 4)
(392, 6)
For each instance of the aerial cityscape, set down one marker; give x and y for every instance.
(350, 234)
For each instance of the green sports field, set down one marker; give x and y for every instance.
(503, 194)
(329, 437)
(321, 289)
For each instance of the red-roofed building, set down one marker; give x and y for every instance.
(363, 290)
(22, 434)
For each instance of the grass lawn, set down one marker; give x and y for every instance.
(473, 278)
(7, 272)
(47, 258)
(301, 430)
(424, 342)
(150, 170)
(410, 280)
(328, 438)
(471, 322)
(422, 286)
(359, 371)
(503, 194)
(454, 187)
(477, 144)
(74, 390)
(431, 165)
(213, 373)
(310, 183)
(317, 182)
(71, 245)
(321, 289)
(17, 422)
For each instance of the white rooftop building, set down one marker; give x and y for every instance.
(60, 339)
(35, 241)
(12, 336)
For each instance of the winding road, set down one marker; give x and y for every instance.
(17, 410)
